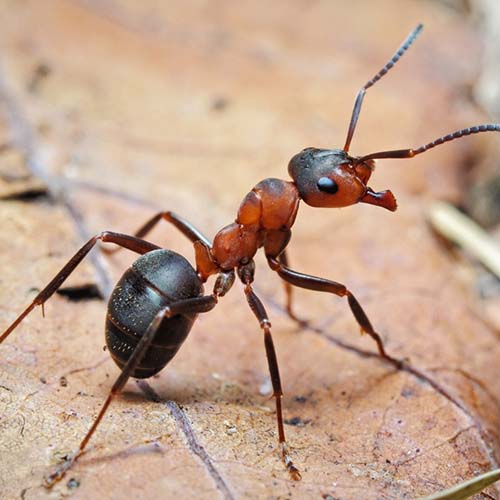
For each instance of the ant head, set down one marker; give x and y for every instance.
(331, 178)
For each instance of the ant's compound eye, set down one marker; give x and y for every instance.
(327, 185)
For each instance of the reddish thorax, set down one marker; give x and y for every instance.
(264, 219)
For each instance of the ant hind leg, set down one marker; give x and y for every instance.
(185, 227)
(193, 305)
(130, 242)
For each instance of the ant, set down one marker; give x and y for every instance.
(156, 301)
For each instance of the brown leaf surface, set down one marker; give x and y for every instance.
(122, 108)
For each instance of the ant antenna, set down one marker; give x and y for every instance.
(361, 94)
(410, 153)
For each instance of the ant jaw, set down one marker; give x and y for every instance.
(384, 199)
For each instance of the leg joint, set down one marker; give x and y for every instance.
(103, 235)
(273, 263)
(265, 324)
(167, 215)
(223, 283)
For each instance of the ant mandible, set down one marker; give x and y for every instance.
(155, 303)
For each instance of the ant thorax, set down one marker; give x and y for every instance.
(264, 219)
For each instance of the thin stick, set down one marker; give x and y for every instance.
(459, 228)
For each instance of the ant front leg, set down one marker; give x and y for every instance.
(193, 305)
(323, 285)
(185, 227)
(130, 242)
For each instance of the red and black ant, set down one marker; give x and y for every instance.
(155, 303)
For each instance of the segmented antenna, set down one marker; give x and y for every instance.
(361, 94)
(410, 153)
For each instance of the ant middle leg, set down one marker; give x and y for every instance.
(324, 285)
(246, 275)
(283, 259)
(129, 242)
(185, 227)
(275, 247)
(193, 305)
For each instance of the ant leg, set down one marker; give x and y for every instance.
(185, 227)
(130, 242)
(323, 285)
(283, 259)
(261, 314)
(196, 305)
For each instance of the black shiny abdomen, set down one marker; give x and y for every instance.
(155, 280)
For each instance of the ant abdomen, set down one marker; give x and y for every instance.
(154, 281)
